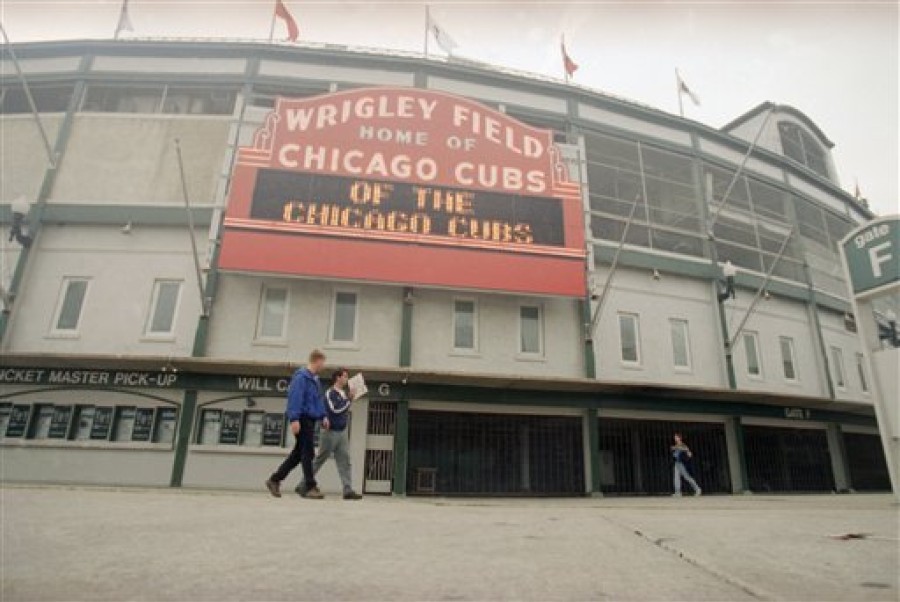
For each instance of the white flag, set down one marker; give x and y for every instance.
(443, 38)
(124, 21)
(683, 89)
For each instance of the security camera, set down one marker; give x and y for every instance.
(126, 229)
(656, 275)
(19, 230)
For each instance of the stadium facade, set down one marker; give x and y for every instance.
(534, 277)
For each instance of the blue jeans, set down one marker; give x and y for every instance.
(680, 471)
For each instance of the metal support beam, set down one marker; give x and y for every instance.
(837, 452)
(406, 328)
(401, 445)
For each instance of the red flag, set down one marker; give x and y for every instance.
(284, 14)
(568, 64)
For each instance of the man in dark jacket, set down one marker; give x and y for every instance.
(335, 440)
(304, 410)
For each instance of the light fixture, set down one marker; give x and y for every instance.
(726, 287)
(408, 297)
(767, 295)
(889, 333)
(656, 275)
(126, 229)
(19, 230)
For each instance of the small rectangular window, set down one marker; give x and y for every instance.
(210, 426)
(837, 368)
(100, 429)
(751, 349)
(43, 422)
(251, 434)
(143, 424)
(198, 101)
(163, 306)
(629, 339)
(681, 343)
(230, 433)
(123, 99)
(464, 324)
(861, 368)
(71, 304)
(84, 421)
(273, 429)
(19, 417)
(166, 420)
(124, 430)
(787, 357)
(61, 423)
(530, 330)
(5, 410)
(272, 313)
(343, 329)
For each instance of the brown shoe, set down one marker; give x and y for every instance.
(314, 494)
(274, 487)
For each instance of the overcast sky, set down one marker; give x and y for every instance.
(835, 61)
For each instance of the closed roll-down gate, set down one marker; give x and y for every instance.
(787, 459)
(635, 456)
(868, 467)
(463, 453)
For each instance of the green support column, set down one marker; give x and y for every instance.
(406, 329)
(590, 361)
(401, 446)
(185, 427)
(592, 440)
(737, 456)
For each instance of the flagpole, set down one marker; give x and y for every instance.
(427, 20)
(678, 91)
(272, 25)
(121, 16)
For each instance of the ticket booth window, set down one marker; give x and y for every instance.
(124, 423)
(102, 426)
(253, 429)
(143, 424)
(230, 433)
(5, 409)
(273, 430)
(18, 420)
(42, 424)
(210, 427)
(61, 423)
(166, 421)
(85, 421)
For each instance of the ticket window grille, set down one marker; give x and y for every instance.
(787, 459)
(635, 455)
(379, 461)
(492, 454)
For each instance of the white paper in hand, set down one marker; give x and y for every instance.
(357, 385)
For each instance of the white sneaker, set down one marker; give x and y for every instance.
(698, 493)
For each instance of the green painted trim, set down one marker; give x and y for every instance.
(590, 360)
(742, 455)
(121, 214)
(185, 430)
(406, 321)
(401, 446)
(593, 441)
(635, 258)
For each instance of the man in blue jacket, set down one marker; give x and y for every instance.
(304, 410)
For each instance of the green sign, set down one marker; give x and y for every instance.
(872, 253)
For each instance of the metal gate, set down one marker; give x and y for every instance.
(455, 453)
(868, 467)
(635, 459)
(787, 459)
(379, 467)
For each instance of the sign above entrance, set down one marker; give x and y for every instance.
(872, 253)
(405, 186)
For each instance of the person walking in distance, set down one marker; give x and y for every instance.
(680, 455)
(334, 439)
(304, 410)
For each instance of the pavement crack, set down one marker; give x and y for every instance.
(663, 543)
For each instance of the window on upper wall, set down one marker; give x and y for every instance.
(273, 311)
(163, 305)
(861, 370)
(47, 99)
(159, 98)
(787, 358)
(465, 325)
(837, 368)
(681, 343)
(70, 305)
(629, 339)
(531, 330)
(344, 317)
(801, 146)
(751, 350)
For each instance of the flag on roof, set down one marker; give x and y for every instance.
(569, 65)
(281, 12)
(124, 23)
(441, 36)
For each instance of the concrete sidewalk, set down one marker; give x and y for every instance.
(107, 544)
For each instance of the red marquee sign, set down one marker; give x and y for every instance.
(405, 186)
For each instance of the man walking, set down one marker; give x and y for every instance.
(334, 439)
(680, 455)
(304, 409)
